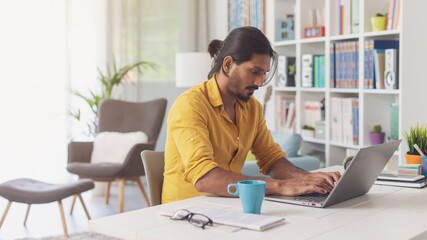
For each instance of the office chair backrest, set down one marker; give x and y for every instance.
(154, 166)
(121, 116)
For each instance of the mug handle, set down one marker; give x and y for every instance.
(233, 193)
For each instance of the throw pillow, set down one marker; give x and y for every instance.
(113, 147)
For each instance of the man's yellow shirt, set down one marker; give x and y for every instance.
(201, 137)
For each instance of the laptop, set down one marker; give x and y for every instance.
(357, 180)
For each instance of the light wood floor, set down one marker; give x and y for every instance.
(45, 219)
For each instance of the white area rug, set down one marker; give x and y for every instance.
(76, 236)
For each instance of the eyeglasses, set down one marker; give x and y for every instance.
(197, 219)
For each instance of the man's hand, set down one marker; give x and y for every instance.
(320, 182)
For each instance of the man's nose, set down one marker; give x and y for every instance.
(259, 81)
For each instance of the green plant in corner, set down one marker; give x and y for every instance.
(109, 82)
(416, 135)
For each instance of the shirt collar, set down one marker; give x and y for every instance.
(214, 95)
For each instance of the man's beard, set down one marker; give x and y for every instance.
(246, 98)
(235, 81)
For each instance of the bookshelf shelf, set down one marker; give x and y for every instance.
(285, 43)
(344, 37)
(374, 105)
(313, 40)
(344, 90)
(314, 140)
(312, 89)
(341, 145)
(285, 89)
(382, 33)
(381, 91)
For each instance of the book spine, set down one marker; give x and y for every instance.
(332, 66)
(390, 14)
(396, 25)
(365, 65)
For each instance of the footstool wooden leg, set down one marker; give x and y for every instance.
(61, 209)
(107, 194)
(5, 213)
(72, 204)
(84, 206)
(26, 215)
(121, 193)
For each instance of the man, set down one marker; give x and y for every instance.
(211, 127)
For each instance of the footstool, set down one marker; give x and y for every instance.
(31, 191)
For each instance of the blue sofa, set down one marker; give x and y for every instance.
(291, 143)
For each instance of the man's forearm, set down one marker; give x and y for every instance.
(283, 169)
(216, 182)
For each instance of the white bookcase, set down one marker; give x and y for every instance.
(373, 104)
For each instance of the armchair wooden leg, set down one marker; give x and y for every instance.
(5, 213)
(84, 206)
(121, 193)
(141, 187)
(72, 204)
(61, 209)
(74, 200)
(107, 194)
(26, 215)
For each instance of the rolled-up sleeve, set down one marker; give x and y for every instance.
(266, 151)
(188, 126)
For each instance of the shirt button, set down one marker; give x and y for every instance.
(237, 138)
(191, 139)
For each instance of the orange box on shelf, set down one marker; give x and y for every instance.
(314, 31)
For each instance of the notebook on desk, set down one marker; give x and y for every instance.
(355, 181)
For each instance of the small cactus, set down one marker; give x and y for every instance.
(377, 129)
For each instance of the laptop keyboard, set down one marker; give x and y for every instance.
(314, 197)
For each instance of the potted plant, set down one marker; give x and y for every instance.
(376, 136)
(307, 131)
(416, 135)
(379, 22)
(109, 82)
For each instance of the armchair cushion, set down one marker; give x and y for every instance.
(113, 147)
(289, 142)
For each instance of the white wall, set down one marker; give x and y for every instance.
(32, 89)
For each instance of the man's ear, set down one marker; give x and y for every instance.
(227, 64)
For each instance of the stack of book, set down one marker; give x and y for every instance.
(374, 66)
(285, 113)
(313, 71)
(345, 120)
(398, 180)
(409, 169)
(344, 64)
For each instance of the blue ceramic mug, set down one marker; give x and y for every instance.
(251, 193)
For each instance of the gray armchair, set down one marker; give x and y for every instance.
(119, 116)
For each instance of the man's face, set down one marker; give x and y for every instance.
(248, 76)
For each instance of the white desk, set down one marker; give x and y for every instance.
(383, 213)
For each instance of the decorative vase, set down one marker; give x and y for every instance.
(378, 23)
(376, 138)
(413, 159)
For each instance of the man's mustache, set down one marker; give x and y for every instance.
(252, 87)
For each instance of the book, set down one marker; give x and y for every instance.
(354, 16)
(399, 177)
(390, 14)
(256, 222)
(416, 184)
(394, 121)
(379, 68)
